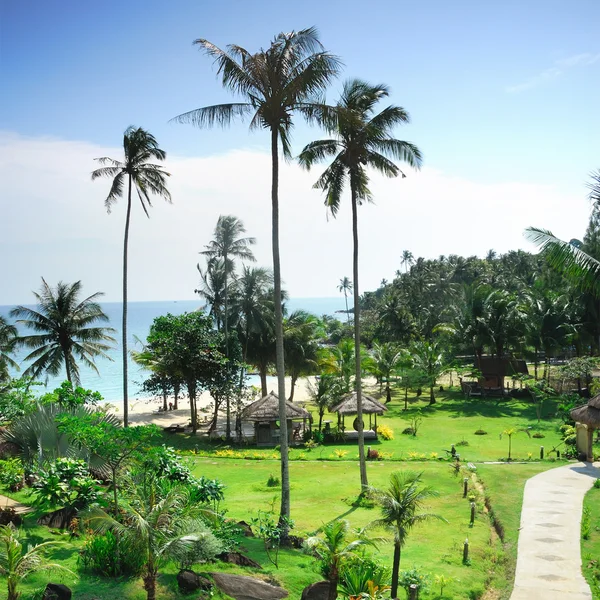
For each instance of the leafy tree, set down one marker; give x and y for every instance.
(228, 245)
(333, 548)
(161, 526)
(135, 172)
(274, 83)
(428, 359)
(8, 335)
(67, 396)
(345, 287)
(65, 334)
(16, 399)
(400, 505)
(18, 563)
(363, 138)
(387, 359)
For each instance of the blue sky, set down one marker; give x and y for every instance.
(500, 94)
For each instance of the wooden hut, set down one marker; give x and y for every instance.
(349, 406)
(587, 419)
(265, 415)
(494, 370)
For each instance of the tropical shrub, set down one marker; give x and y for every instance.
(105, 555)
(414, 577)
(386, 432)
(205, 548)
(16, 399)
(12, 474)
(67, 396)
(360, 576)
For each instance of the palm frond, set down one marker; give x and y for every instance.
(218, 114)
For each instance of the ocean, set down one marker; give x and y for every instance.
(109, 381)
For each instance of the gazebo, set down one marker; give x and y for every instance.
(587, 419)
(349, 406)
(265, 415)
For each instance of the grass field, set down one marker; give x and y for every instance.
(590, 548)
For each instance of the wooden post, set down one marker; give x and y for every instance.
(466, 551)
(465, 486)
(413, 593)
(541, 452)
(472, 514)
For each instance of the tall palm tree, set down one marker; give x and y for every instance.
(428, 360)
(387, 358)
(362, 138)
(407, 259)
(227, 246)
(345, 287)
(8, 334)
(146, 178)
(399, 505)
(212, 288)
(288, 76)
(64, 329)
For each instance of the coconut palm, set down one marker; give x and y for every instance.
(428, 360)
(399, 506)
(333, 548)
(212, 289)
(227, 246)
(18, 563)
(146, 178)
(8, 334)
(345, 287)
(407, 259)
(65, 331)
(324, 393)
(161, 526)
(362, 138)
(387, 359)
(288, 76)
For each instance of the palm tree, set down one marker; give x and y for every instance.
(333, 548)
(362, 139)
(8, 335)
(399, 505)
(288, 76)
(227, 246)
(161, 526)
(147, 178)
(17, 564)
(212, 288)
(387, 359)
(324, 393)
(345, 287)
(407, 259)
(428, 360)
(63, 323)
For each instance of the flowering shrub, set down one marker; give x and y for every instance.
(387, 433)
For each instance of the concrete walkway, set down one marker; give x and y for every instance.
(10, 503)
(549, 555)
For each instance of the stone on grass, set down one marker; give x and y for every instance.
(246, 529)
(316, 591)
(247, 588)
(237, 558)
(188, 581)
(56, 591)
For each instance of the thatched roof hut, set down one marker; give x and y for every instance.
(587, 415)
(348, 405)
(267, 409)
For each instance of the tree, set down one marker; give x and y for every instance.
(387, 359)
(16, 563)
(288, 76)
(399, 506)
(65, 332)
(345, 287)
(362, 139)
(333, 548)
(8, 335)
(428, 359)
(160, 525)
(227, 246)
(212, 289)
(407, 259)
(146, 178)
(324, 393)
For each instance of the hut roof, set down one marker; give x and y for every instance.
(267, 409)
(348, 405)
(588, 414)
(492, 366)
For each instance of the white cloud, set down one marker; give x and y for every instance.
(559, 68)
(55, 224)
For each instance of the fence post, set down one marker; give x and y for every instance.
(466, 551)
(465, 486)
(541, 452)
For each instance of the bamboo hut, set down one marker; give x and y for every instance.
(349, 406)
(265, 415)
(587, 419)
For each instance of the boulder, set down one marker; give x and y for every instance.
(247, 588)
(59, 519)
(236, 558)
(56, 591)
(316, 591)
(188, 581)
(246, 529)
(10, 515)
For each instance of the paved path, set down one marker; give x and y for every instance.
(549, 555)
(10, 503)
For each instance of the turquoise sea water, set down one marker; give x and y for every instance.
(109, 382)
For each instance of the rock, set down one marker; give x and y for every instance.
(56, 591)
(188, 581)
(247, 588)
(316, 591)
(296, 541)
(59, 519)
(236, 558)
(9, 515)
(246, 529)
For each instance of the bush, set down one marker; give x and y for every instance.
(204, 548)
(12, 474)
(387, 433)
(408, 431)
(273, 481)
(480, 432)
(414, 577)
(104, 555)
(597, 483)
(538, 435)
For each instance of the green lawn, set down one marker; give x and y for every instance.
(590, 548)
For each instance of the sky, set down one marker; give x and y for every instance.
(503, 105)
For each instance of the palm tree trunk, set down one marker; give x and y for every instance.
(67, 366)
(125, 244)
(284, 512)
(333, 585)
(388, 393)
(293, 386)
(395, 570)
(176, 389)
(150, 585)
(113, 469)
(347, 311)
(262, 373)
(228, 424)
(191, 387)
(358, 383)
(431, 395)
